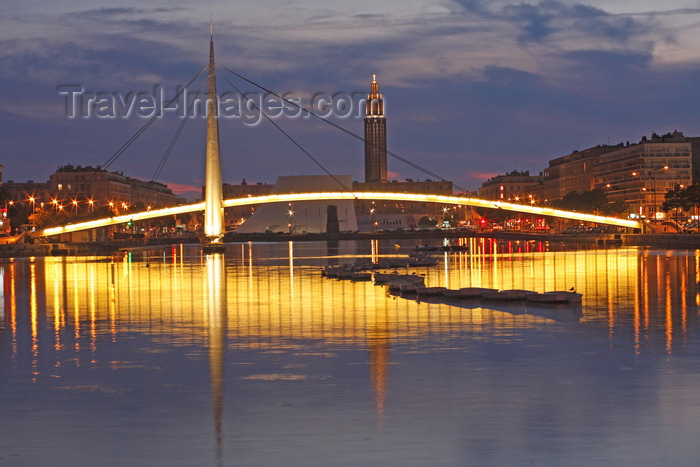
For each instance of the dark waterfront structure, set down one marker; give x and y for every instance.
(375, 136)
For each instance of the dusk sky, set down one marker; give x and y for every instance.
(472, 88)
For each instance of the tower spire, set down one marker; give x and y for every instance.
(375, 136)
(213, 191)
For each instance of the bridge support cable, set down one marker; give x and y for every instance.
(171, 146)
(338, 127)
(267, 117)
(113, 158)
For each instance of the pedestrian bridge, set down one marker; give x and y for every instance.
(341, 195)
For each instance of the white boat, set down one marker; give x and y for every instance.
(395, 278)
(558, 296)
(433, 291)
(507, 295)
(467, 292)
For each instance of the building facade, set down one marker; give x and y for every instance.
(83, 189)
(573, 172)
(514, 187)
(641, 174)
(375, 136)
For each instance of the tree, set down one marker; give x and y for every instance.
(682, 198)
(41, 218)
(594, 201)
(426, 222)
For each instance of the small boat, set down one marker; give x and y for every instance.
(328, 271)
(432, 291)
(361, 276)
(426, 248)
(407, 288)
(560, 296)
(507, 295)
(345, 274)
(395, 278)
(418, 262)
(467, 292)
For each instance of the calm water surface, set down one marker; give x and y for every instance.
(170, 357)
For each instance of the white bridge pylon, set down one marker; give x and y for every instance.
(341, 195)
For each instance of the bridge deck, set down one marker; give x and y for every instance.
(343, 195)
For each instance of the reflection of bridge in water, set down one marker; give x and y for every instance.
(213, 205)
(272, 298)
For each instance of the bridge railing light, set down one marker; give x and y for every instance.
(345, 195)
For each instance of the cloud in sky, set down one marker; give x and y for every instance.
(472, 86)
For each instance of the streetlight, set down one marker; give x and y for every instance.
(91, 202)
(289, 224)
(75, 205)
(641, 201)
(33, 201)
(653, 199)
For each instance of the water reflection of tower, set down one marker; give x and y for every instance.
(2, 298)
(379, 353)
(375, 136)
(216, 317)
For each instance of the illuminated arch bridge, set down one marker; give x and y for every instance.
(345, 195)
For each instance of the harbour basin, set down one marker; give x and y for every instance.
(169, 356)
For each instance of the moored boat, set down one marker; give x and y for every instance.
(389, 278)
(361, 276)
(507, 295)
(467, 292)
(432, 291)
(558, 296)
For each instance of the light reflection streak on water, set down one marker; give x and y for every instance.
(92, 306)
(291, 272)
(34, 319)
(2, 298)
(57, 308)
(112, 303)
(669, 312)
(13, 309)
(217, 330)
(76, 306)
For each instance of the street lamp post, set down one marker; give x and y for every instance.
(653, 207)
(642, 200)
